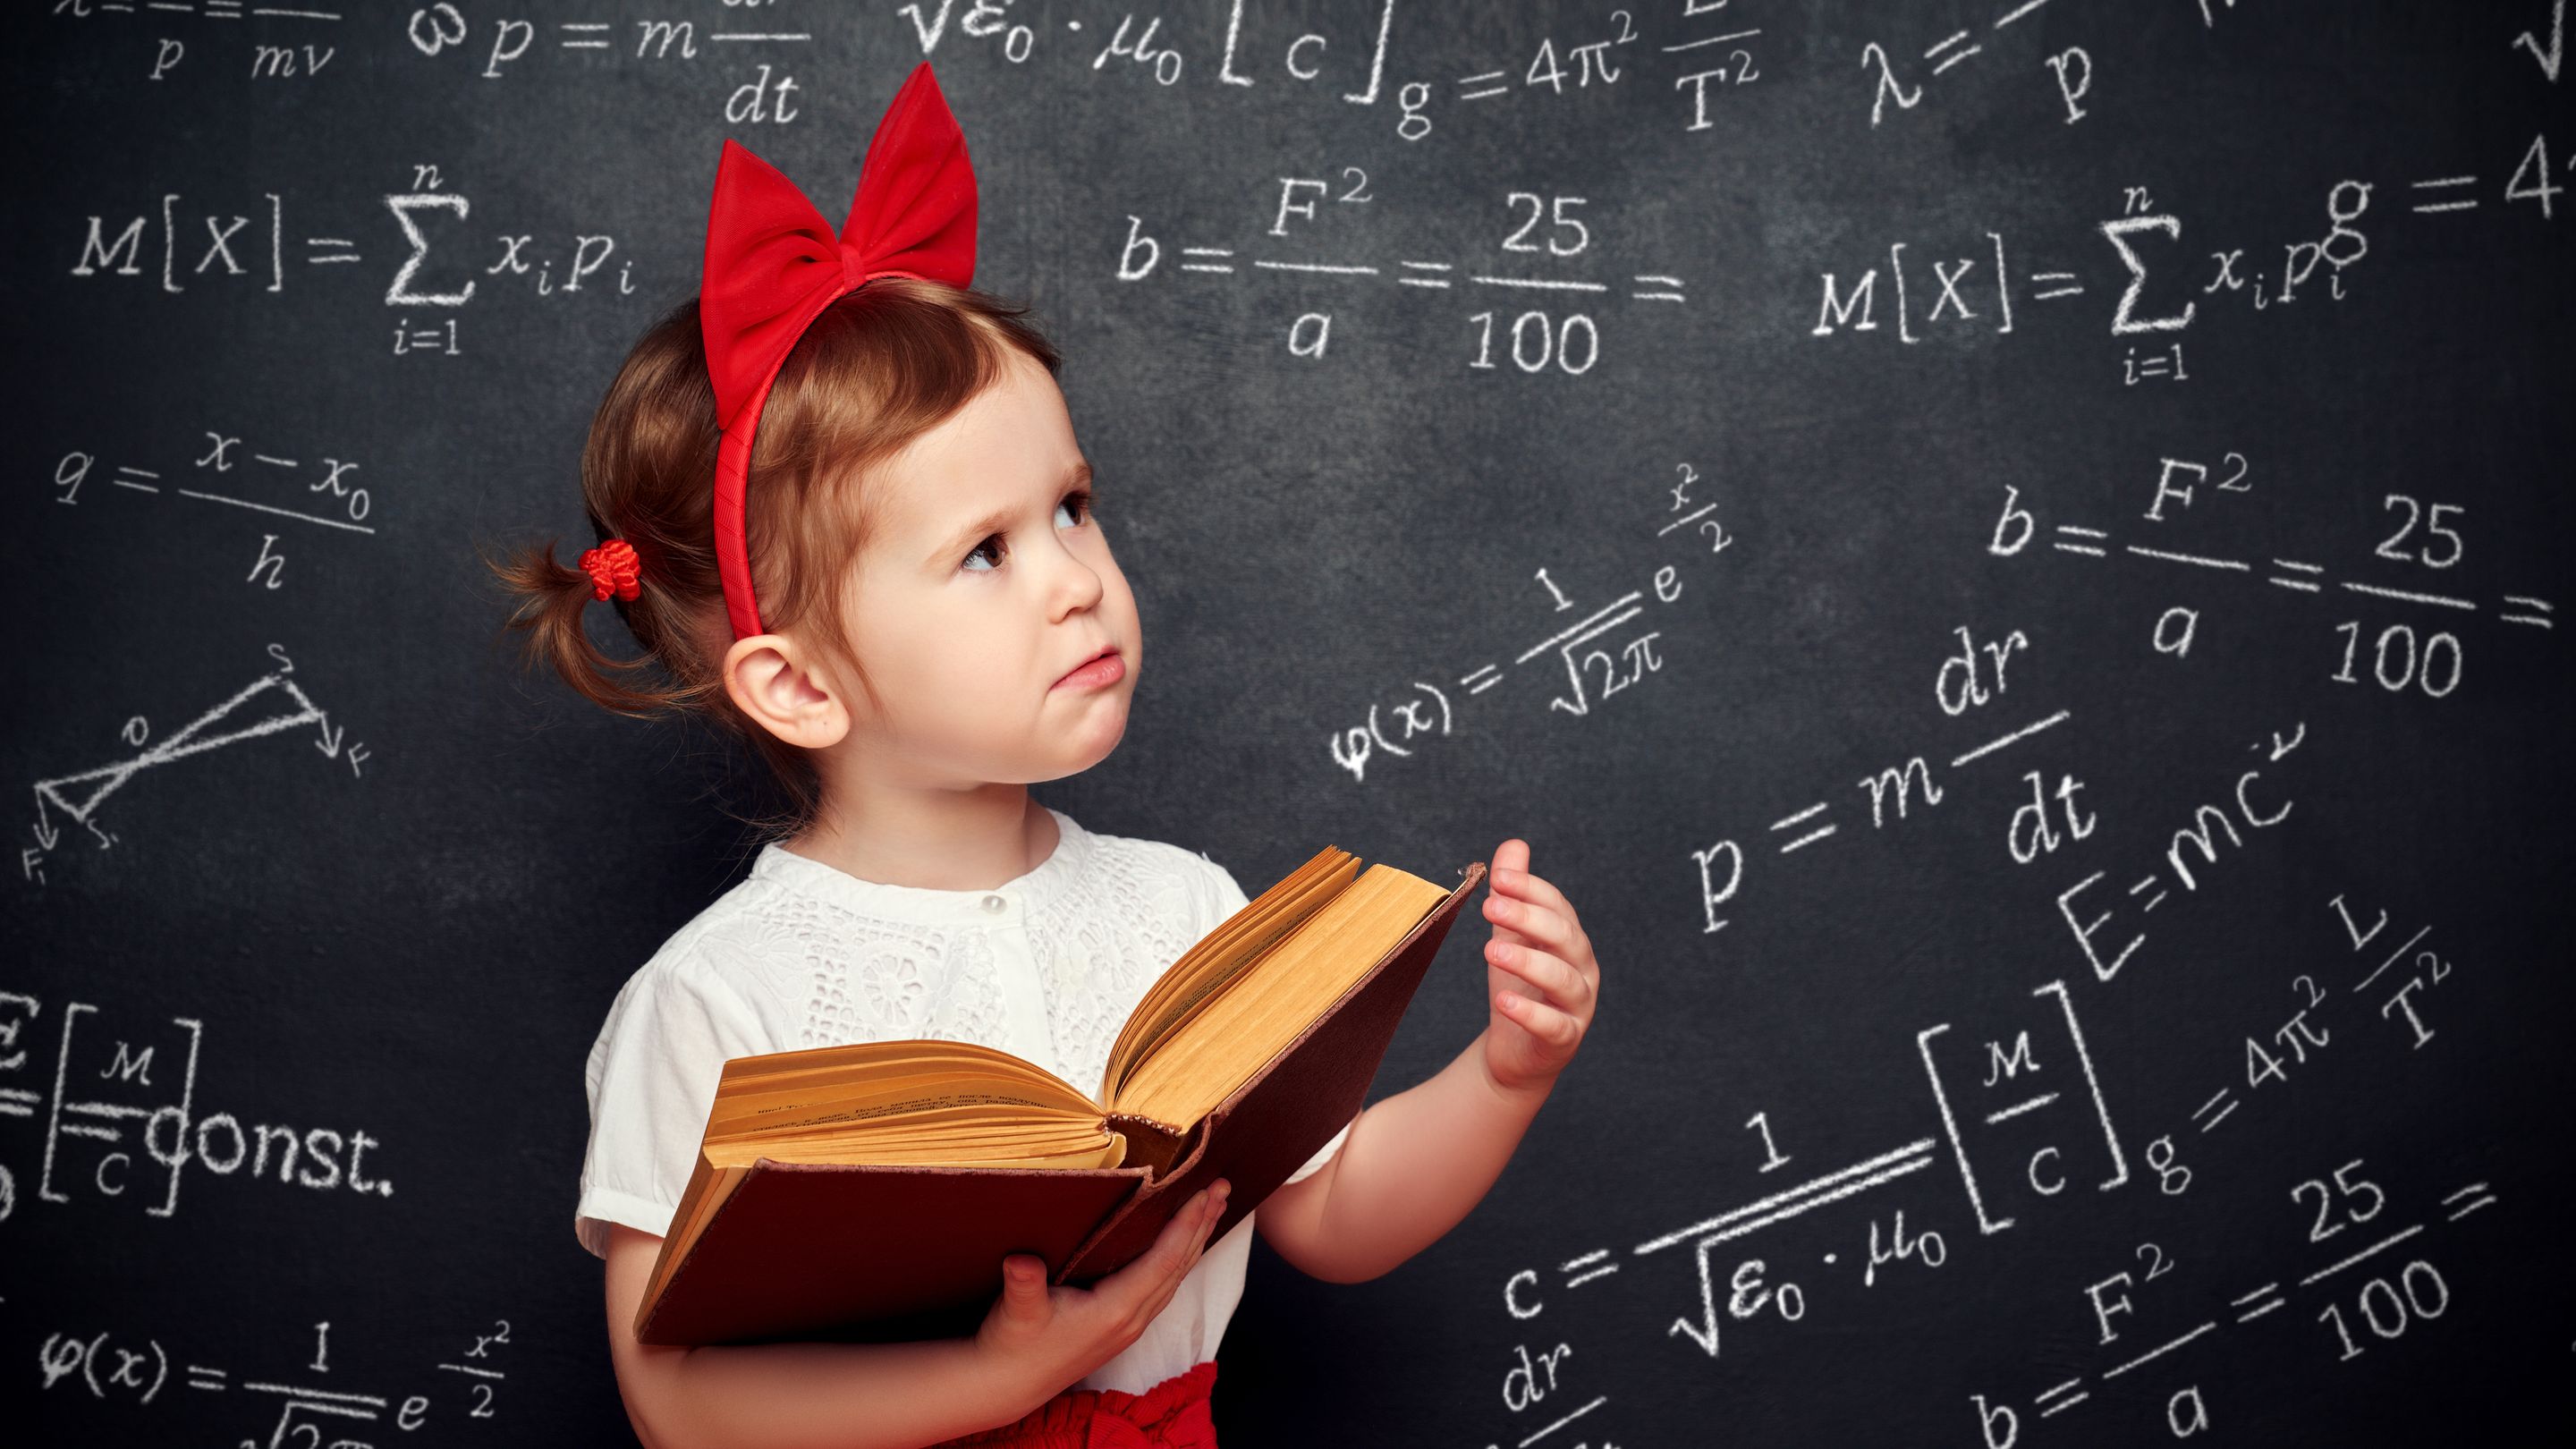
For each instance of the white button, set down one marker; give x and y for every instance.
(994, 903)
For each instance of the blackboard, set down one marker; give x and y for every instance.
(2005, 553)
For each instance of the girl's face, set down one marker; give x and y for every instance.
(987, 581)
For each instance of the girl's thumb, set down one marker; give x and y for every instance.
(1023, 1275)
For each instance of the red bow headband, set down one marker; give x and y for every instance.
(773, 264)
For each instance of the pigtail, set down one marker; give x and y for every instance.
(552, 609)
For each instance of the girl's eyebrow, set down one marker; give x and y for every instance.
(1078, 476)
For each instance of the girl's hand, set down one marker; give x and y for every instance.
(1540, 975)
(1052, 1337)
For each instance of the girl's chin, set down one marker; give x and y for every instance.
(1095, 739)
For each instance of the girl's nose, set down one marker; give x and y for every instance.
(1072, 579)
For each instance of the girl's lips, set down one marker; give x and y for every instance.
(1107, 669)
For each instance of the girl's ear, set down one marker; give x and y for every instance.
(776, 683)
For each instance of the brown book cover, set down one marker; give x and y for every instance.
(876, 1253)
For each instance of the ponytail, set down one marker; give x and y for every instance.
(553, 606)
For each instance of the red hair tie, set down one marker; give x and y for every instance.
(773, 264)
(613, 568)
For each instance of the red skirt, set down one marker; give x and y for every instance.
(1171, 1415)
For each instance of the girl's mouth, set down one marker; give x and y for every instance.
(1104, 668)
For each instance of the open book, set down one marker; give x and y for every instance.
(871, 1191)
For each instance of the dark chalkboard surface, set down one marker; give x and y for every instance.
(2006, 554)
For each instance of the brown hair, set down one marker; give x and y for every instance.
(878, 368)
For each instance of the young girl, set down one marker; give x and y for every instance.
(902, 598)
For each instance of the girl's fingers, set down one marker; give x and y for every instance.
(1203, 1217)
(1534, 908)
(1549, 978)
(1543, 1021)
(1519, 921)
(1215, 1215)
(1150, 1281)
(1211, 1209)
(1533, 888)
(1181, 1234)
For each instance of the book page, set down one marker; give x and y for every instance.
(936, 1141)
(912, 1101)
(1233, 948)
(1238, 1032)
(780, 1089)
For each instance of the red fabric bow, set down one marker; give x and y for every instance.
(773, 264)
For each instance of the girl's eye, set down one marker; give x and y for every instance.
(1078, 501)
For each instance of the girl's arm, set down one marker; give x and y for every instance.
(1413, 1166)
(1417, 1162)
(1037, 1341)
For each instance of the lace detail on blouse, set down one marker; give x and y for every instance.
(828, 959)
(1098, 962)
(853, 978)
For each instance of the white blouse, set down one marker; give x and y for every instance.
(803, 954)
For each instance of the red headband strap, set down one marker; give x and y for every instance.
(773, 264)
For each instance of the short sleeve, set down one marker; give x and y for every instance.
(651, 1077)
(1230, 899)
